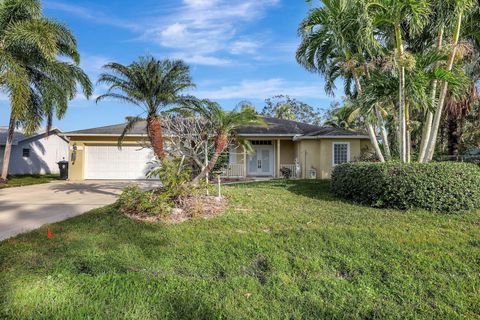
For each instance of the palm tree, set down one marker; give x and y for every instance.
(153, 85)
(38, 83)
(223, 125)
(393, 17)
(459, 11)
(336, 40)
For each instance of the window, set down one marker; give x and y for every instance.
(261, 142)
(341, 152)
(26, 153)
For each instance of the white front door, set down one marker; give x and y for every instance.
(260, 162)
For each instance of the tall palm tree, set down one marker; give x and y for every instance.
(336, 40)
(460, 10)
(393, 18)
(153, 85)
(38, 83)
(223, 125)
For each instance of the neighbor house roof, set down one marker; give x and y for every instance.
(272, 127)
(19, 136)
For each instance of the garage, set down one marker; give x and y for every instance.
(108, 162)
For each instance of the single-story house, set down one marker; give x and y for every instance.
(34, 154)
(282, 143)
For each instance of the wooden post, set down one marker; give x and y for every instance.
(278, 159)
(219, 187)
(244, 163)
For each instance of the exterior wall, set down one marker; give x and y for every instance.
(308, 153)
(76, 168)
(287, 152)
(45, 152)
(326, 156)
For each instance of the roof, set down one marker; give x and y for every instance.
(19, 136)
(274, 127)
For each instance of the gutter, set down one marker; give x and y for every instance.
(296, 138)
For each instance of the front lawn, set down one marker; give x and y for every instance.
(29, 179)
(283, 251)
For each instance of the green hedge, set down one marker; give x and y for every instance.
(445, 186)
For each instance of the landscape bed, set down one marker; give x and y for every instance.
(283, 250)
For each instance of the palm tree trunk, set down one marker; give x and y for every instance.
(373, 140)
(371, 131)
(381, 124)
(443, 93)
(8, 149)
(427, 126)
(221, 142)
(401, 99)
(383, 131)
(452, 135)
(408, 138)
(155, 134)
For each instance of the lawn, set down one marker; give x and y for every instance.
(283, 251)
(29, 179)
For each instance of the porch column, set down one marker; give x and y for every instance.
(278, 159)
(244, 163)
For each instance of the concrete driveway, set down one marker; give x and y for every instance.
(27, 208)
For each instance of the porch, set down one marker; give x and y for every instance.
(266, 161)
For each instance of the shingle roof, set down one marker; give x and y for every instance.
(274, 127)
(19, 136)
(139, 129)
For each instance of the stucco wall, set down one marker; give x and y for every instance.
(326, 157)
(45, 152)
(76, 169)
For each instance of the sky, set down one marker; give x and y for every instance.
(237, 50)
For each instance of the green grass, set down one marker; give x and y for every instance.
(283, 251)
(29, 179)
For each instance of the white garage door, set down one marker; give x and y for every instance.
(108, 162)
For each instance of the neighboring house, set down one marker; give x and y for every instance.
(94, 153)
(34, 154)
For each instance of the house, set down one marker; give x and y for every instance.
(94, 153)
(34, 154)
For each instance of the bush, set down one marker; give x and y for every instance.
(158, 202)
(135, 201)
(443, 187)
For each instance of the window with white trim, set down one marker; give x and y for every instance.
(341, 153)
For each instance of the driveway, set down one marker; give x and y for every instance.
(27, 208)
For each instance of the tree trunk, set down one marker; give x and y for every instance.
(453, 135)
(8, 149)
(443, 93)
(155, 134)
(371, 131)
(386, 144)
(401, 98)
(373, 140)
(221, 142)
(427, 126)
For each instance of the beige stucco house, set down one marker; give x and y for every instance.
(313, 149)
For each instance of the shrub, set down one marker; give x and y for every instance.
(158, 202)
(135, 201)
(443, 187)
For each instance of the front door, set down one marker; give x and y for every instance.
(260, 162)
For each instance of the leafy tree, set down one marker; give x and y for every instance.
(155, 86)
(284, 107)
(223, 124)
(39, 84)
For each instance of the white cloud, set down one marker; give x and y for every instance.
(89, 14)
(262, 89)
(209, 28)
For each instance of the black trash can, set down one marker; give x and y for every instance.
(63, 166)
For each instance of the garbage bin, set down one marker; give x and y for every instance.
(63, 166)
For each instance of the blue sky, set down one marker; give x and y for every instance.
(237, 49)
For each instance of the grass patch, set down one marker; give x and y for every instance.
(282, 251)
(28, 179)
